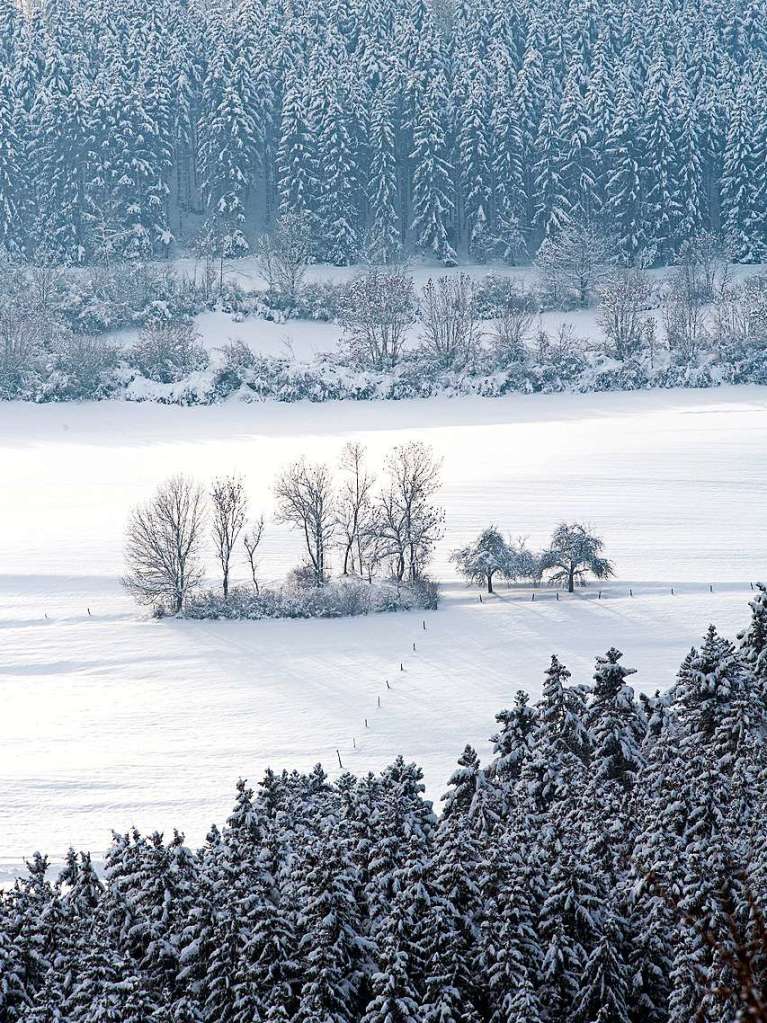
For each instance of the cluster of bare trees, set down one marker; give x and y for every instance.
(165, 539)
(389, 525)
(701, 306)
(698, 307)
(381, 307)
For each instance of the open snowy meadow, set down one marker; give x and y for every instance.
(109, 718)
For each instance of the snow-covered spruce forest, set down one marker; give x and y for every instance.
(607, 865)
(475, 128)
(159, 164)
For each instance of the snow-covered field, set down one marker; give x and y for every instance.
(107, 718)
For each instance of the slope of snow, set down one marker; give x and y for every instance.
(108, 718)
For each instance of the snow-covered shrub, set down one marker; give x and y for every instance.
(426, 593)
(450, 331)
(28, 335)
(612, 375)
(338, 598)
(241, 303)
(318, 300)
(745, 361)
(166, 353)
(82, 369)
(559, 360)
(494, 292)
(624, 299)
(105, 298)
(301, 578)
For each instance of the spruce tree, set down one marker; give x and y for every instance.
(433, 204)
(616, 723)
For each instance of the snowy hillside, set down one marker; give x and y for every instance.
(109, 718)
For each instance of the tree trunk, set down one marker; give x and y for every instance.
(571, 581)
(490, 583)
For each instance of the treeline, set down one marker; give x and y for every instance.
(607, 864)
(474, 128)
(387, 528)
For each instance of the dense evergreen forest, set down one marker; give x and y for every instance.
(608, 865)
(470, 129)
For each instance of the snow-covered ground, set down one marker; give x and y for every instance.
(107, 718)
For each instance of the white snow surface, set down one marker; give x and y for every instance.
(109, 718)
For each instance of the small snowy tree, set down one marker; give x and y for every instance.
(512, 324)
(355, 508)
(407, 522)
(284, 253)
(485, 557)
(573, 554)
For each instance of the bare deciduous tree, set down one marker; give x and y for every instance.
(46, 274)
(376, 312)
(450, 331)
(702, 267)
(576, 260)
(685, 319)
(230, 508)
(305, 500)
(26, 333)
(512, 326)
(285, 252)
(624, 297)
(162, 547)
(251, 540)
(701, 277)
(408, 524)
(355, 508)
